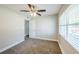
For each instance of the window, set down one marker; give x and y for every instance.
(69, 25)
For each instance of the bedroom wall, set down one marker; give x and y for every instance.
(11, 28)
(44, 27)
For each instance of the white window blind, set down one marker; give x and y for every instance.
(69, 25)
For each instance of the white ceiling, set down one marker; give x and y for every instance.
(51, 9)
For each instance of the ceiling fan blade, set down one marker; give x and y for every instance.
(29, 5)
(41, 10)
(24, 10)
(38, 14)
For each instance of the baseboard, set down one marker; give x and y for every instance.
(3, 49)
(45, 39)
(69, 48)
(61, 48)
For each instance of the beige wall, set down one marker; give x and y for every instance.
(44, 27)
(11, 28)
(65, 46)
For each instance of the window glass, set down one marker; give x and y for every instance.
(62, 20)
(62, 31)
(69, 25)
(73, 14)
(73, 35)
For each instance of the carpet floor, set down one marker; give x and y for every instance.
(35, 46)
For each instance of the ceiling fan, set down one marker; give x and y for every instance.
(33, 10)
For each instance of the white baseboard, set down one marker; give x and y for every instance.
(61, 48)
(45, 39)
(3, 49)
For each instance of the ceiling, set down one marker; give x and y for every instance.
(51, 9)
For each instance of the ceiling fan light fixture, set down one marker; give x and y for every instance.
(34, 11)
(33, 14)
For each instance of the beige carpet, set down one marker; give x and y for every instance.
(35, 46)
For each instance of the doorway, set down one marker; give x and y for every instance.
(26, 29)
